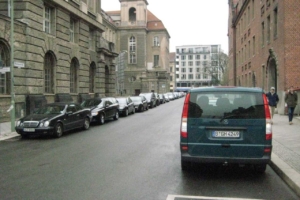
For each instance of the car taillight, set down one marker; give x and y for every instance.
(268, 118)
(183, 129)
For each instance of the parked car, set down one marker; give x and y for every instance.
(170, 95)
(140, 103)
(54, 119)
(162, 98)
(102, 108)
(166, 97)
(151, 99)
(126, 105)
(235, 128)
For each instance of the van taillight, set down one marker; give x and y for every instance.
(185, 110)
(268, 118)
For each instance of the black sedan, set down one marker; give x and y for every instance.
(102, 108)
(140, 103)
(54, 119)
(126, 106)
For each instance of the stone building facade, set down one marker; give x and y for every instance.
(61, 50)
(145, 43)
(263, 45)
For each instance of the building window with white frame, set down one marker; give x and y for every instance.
(191, 63)
(183, 64)
(183, 57)
(49, 64)
(156, 60)
(183, 76)
(190, 70)
(132, 48)
(4, 62)
(72, 30)
(183, 70)
(73, 75)
(198, 63)
(47, 19)
(156, 41)
(198, 57)
(191, 57)
(191, 76)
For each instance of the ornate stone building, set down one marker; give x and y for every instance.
(58, 50)
(145, 43)
(263, 45)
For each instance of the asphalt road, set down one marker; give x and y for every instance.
(134, 158)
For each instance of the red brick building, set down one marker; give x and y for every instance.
(264, 45)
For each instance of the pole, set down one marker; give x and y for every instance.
(12, 111)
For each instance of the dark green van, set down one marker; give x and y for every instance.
(227, 125)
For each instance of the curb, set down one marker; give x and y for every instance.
(287, 173)
(6, 136)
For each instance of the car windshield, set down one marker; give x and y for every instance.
(90, 102)
(226, 105)
(121, 100)
(50, 109)
(136, 99)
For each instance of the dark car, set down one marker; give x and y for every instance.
(140, 103)
(126, 106)
(151, 99)
(54, 119)
(102, 108)
(226, 125)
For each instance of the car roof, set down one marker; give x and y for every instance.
(225, 88)
(61, 103)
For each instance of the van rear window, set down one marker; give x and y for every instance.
(227, 105)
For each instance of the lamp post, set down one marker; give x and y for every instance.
(120, 71)
(12, 106)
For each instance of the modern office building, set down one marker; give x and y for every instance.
(263, 45)
(198, 65)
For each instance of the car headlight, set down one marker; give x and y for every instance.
(94, 113)
(18, 123)
(46, 124)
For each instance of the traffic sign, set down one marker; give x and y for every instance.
(4, 70)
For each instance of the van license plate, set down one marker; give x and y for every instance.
(29, 130)
(226, 134)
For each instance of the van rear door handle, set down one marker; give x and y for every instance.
(225, 145)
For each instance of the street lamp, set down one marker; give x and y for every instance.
(120, 71)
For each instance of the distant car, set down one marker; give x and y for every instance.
(170, 95)
(151, 99)
(166, 97)
(140, 103)
(54, 119)
(102, 108)
(226, 125)
(162, 98)
(126, 105)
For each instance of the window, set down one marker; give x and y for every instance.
(205, 76)
(198, 76)
(198, 57)
(132, 14)
(198, 69)
(253, 43)
(191, 57)
(183, 70)
(132, 48)
(4, 62)
(183, 57)
(214, 48)
(191, 63)
(183, 76)
(191, 50)
(262, 34)
(92, 43)
(156, 60)
(204, 57)
(156, 41)
(73, 75)
(47, 19)
(92, 5)
(275, 22)
(182, 64)
(92, 75)
(177, 75)
(72, 30)
(191, 76)
(268, 29)
(253, 9)
(48, 73)
(190, 70)
(197, 63)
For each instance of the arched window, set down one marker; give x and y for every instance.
(132, 14)
(49, 64)
(92, 77)
(4, 62)
(73, 75)
(132, 48)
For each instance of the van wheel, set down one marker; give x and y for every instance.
(260, 168)
(185, 165)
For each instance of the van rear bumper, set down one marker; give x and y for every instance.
(198, 159)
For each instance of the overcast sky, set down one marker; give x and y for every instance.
(189, 22)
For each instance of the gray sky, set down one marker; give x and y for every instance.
(189, 22)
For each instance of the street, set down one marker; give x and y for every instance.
(134, 158)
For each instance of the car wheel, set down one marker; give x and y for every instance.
(116, 117)
(58, 130)
(86, 124)
(185, 165)
(142, 108)
(147, 107)
(126, 113)
(133, 110)
(101, 119)
(260, 168)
